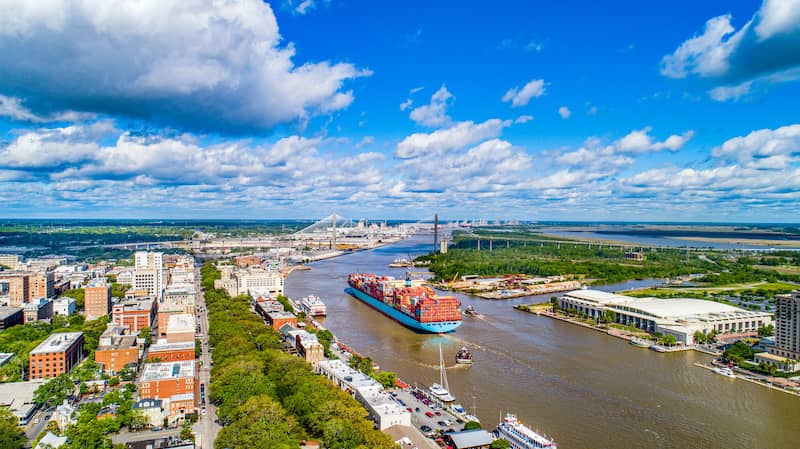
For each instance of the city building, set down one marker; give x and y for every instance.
(180, 296)
(41, 285)
(162, 351)
(784, 351)
(64, 415)
(278, 319)
(151, 263)
(38, 309)
(152, 409)
(175, 383)
(64, 306)
(787, 325)
(58, 354)
(17, 284)
(134, 314)
(97, 300)
(51, 441)
(180, 328)
(147, 279)
(303, 342)
(117, 349)
(17, 397)
(470, 439)
(11, 316)
(382, 409)
(243, 281)
(12, 261)
(681, 317)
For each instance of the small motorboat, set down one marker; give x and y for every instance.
(464, 356)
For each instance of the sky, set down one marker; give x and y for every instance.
(526, 110)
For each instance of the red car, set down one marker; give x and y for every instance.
(438, 413)
(429, 414)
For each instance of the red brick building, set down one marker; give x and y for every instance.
(171, 352)
(117, 349)
(58, 354)
(135, 314)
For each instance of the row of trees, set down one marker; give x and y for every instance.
(269, 399)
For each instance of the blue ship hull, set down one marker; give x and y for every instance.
(402, 318)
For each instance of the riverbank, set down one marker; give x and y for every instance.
(545, 309)
(768, 382)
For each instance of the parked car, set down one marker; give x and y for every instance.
(438, 413)
(441, 423)
(429, 414)
(425, 428)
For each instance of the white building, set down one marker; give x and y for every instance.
(12, 261)
(64, 306)
(681, 317)
(243, 281)
(144, 261)
(383, 410)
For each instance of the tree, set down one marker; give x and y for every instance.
(472, 425)
(186, 432)
(386, 378)
(147, 334)
(766, 331)
(10, 435)
(53, 391)
(699, 337)
(500, 444)
(668, 340)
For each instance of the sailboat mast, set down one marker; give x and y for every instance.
(442, 372)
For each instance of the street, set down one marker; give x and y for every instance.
(206, 428)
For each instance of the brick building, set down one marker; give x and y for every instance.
(97, 301)
(171, 352)
(58, 354)
(117, 349)
(176, 384)
(135, 314)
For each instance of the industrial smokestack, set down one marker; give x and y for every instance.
(435, 233)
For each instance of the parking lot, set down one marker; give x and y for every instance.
(433, 418)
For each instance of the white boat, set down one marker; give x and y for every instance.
(724, 371)
(400, 263)
(313, 306)
(520, 436)
(441, 391)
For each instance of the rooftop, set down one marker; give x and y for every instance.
(180, 322)
(5, 357)
(470, 438)
(135, 304)
(6, 312)
(280, 315)
(164, 371)
(59, 342)
(162, 345)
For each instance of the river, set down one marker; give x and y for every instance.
(585, 389)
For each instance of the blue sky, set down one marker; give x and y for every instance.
(572, 110)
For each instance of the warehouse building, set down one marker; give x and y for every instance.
(681, 317)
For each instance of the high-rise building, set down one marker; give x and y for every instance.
(41, 285)
(11, 261)
(145, 260)
(787, 326)
(18, 287)
(97, 300)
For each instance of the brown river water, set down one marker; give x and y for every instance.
(583, 388)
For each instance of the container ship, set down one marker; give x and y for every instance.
(408, 302)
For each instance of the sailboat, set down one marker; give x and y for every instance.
(442, 390)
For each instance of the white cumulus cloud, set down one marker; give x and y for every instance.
(522, 96)
(564, 112)
(201, 64)
(433, 114)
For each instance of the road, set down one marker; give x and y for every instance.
(206, 427)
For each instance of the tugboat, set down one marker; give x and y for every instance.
(471, 311)
(464, 356)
